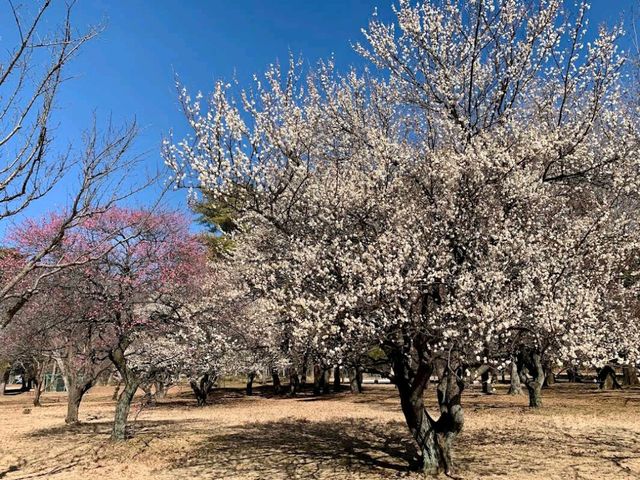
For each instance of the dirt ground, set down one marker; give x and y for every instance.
(580, 433)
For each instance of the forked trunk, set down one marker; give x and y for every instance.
(433, 437)
(607, 379)
(122, 410)
(202, 388)
(515, 387)
(531, 362)
(76, 392)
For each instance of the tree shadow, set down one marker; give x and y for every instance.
(103, 428)
(304, 449)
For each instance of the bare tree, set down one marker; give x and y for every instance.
(31, 76)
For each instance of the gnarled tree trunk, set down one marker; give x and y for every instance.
(122, 410)
(530, 362)
(433, 437)
(607, 378)
(76, 391)
(131, 383)
(202, 388)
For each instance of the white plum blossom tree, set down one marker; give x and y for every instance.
(470, 195)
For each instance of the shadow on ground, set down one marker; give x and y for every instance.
(292, 448)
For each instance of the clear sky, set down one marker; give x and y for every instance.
(128, 71)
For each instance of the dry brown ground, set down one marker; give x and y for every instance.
(581, 433)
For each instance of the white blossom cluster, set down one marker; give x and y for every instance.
(475, 189)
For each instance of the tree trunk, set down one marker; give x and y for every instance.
(4, 380)
(487, 380)
(75, 393)
(337, 384)
(574, 375)
(516, 387)
(355, 380)
(203, 388)
(149, 396)
(327, 381)
(529, 361)
(39, 382)
(434, 437)
(294, 383)
(122, 410)
(630, 375)
(549, 377)
(161, 389)
(277, 386)
(250, 378)
(305, 367)
(607, 379)
(116, 390)
(318, 379)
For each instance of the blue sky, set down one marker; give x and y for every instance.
(128, 70)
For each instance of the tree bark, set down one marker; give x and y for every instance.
(116, 390)
(318, 379)
(203, 388)
(433, 437)
(337, 384)
(39, 383)
(250, 378)
(530, 361)
(630, 375)
(122, 410)
(549, 377)
(355, 380)
(515, 388)
(4, 380)
(277, 386)
(131, 383)
(607, 379)
(487, 380)
(294, 383)
(327, 381)
(160, 389)
(75, 393)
